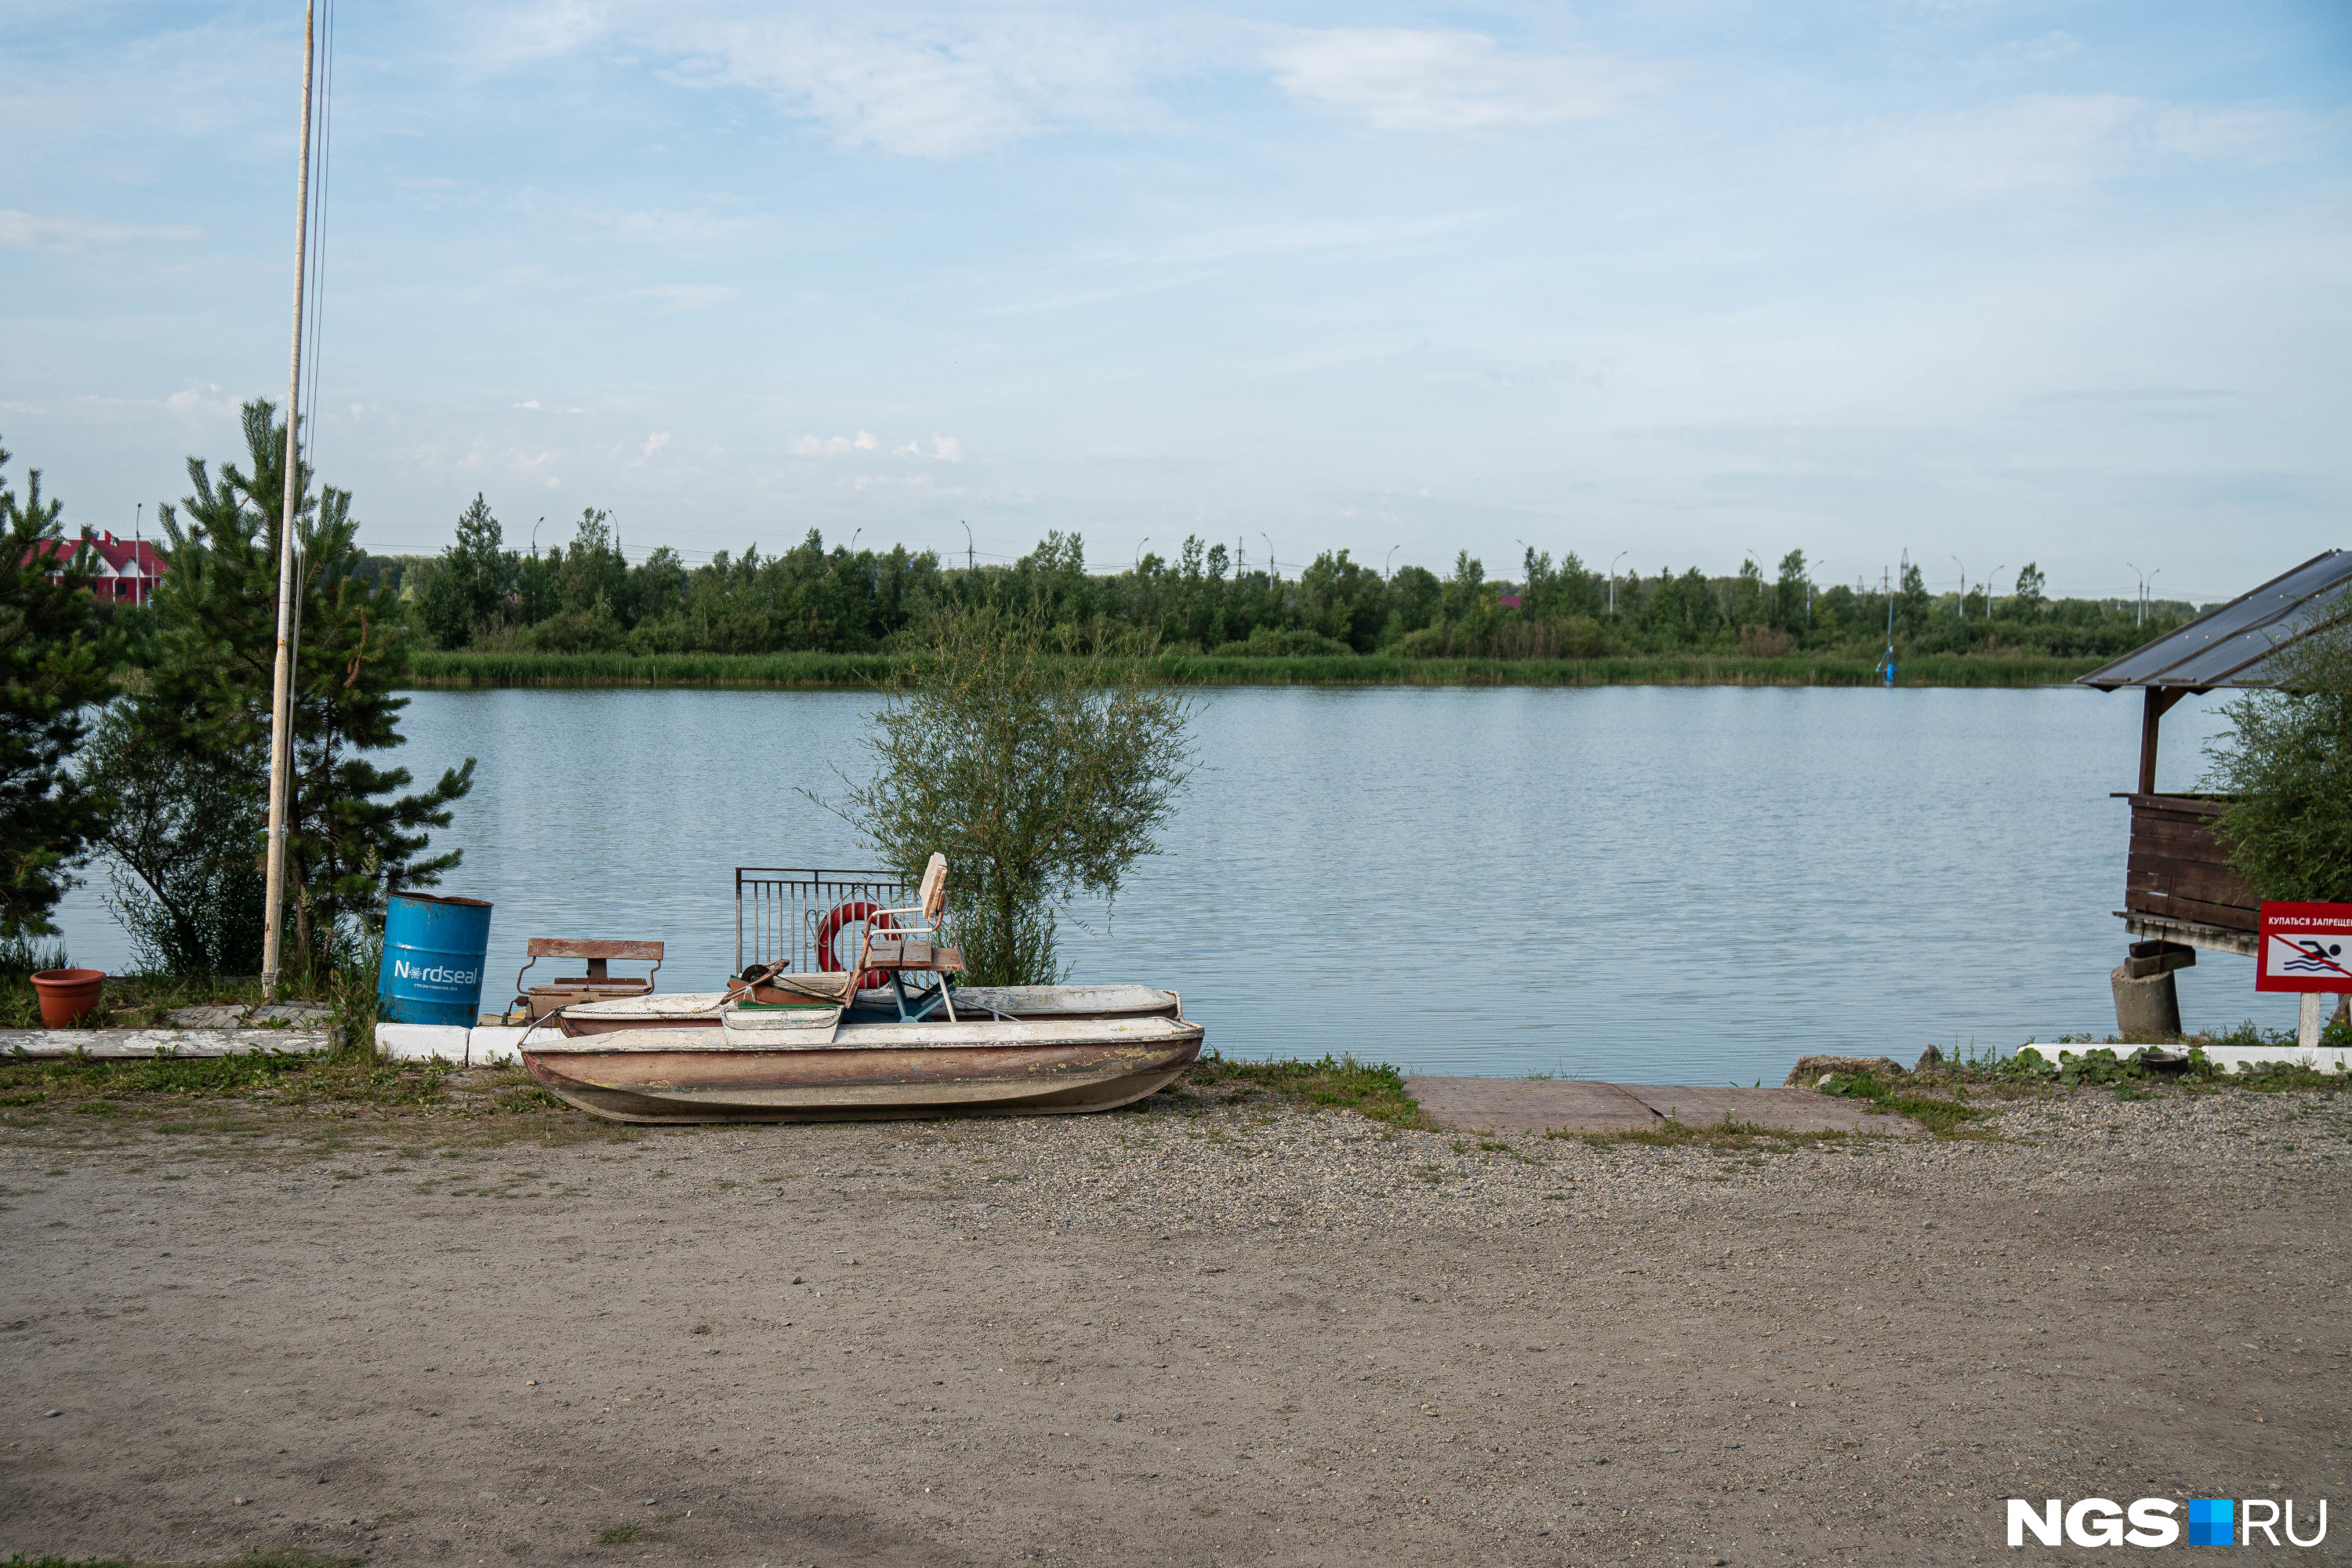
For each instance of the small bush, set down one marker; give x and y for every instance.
(1368, 1088)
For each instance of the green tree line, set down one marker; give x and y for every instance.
(586, 597)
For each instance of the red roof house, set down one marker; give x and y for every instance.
(127, 570)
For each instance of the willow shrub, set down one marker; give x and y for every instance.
(1041, 771)
(2287, 759)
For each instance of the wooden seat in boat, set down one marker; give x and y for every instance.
(599, 984)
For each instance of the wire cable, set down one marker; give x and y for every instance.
(307, 447)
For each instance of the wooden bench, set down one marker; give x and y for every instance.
(599, 984)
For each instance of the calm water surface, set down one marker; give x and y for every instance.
(1638, 883)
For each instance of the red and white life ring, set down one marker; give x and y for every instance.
(846, 914)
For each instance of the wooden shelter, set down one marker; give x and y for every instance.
(2179, 884)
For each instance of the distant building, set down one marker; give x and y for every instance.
(127, 570)
(1507, 601)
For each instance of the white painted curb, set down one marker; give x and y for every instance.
(422, 1042)
(2231, 1059)
(2237, 1057)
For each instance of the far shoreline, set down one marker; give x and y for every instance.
(467, 671)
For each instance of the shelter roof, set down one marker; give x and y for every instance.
(2237, 644)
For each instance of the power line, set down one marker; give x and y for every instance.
(317, 291)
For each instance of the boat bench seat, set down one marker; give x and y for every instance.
(598, 985)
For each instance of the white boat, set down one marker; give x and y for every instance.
(798, 1064)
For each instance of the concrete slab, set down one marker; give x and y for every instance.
(422, 1042)
(1783, 1109)
(1529, 1105)
(1578, 1105)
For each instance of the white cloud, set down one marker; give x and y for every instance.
(652, 443)
(30, 231)
(533, 403)
(2045, 142)
(931, 88)
(942, 448)
(832, 447)
(207, 399)
(1403, 79)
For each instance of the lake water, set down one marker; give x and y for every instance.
(1647, 884)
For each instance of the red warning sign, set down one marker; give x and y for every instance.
(2305, 947)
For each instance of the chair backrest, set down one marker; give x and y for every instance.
(934, 895)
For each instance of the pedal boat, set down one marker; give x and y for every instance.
(801, 1062)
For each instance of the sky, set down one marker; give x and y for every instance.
(1664, 284)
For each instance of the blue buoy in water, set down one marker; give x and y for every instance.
(433, 951)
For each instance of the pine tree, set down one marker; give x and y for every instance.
(55, 661)
(467, 589)
(351, 837)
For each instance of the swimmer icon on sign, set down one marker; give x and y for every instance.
(2305, 947)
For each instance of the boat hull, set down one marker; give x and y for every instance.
(868, 1073)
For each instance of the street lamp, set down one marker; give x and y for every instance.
(1385, 564)
(1273, 569)
(1139, 554)
(968, 551)
(1963, 586)
(852, 541)
(1612, 580)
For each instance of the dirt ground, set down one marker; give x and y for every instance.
(1237, 1334)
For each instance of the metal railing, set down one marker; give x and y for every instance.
(777, 910)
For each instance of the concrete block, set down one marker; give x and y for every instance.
(500, 1045)
(2235, 1057)
(422, 1042)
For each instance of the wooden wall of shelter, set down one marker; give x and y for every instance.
(2179, 884)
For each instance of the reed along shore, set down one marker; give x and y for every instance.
(460, 670)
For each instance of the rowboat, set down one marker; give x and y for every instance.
(795, 1063)
(700, 1009)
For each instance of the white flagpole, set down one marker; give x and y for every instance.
(281, 704)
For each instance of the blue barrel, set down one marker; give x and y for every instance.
(433, 951)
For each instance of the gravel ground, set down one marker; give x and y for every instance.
(1184, 1334)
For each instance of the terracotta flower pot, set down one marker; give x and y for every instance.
(67, 995)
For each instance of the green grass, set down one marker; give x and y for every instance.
(1940, 1115)
(1371, 1090)
(30, 1083)
(463, 668)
